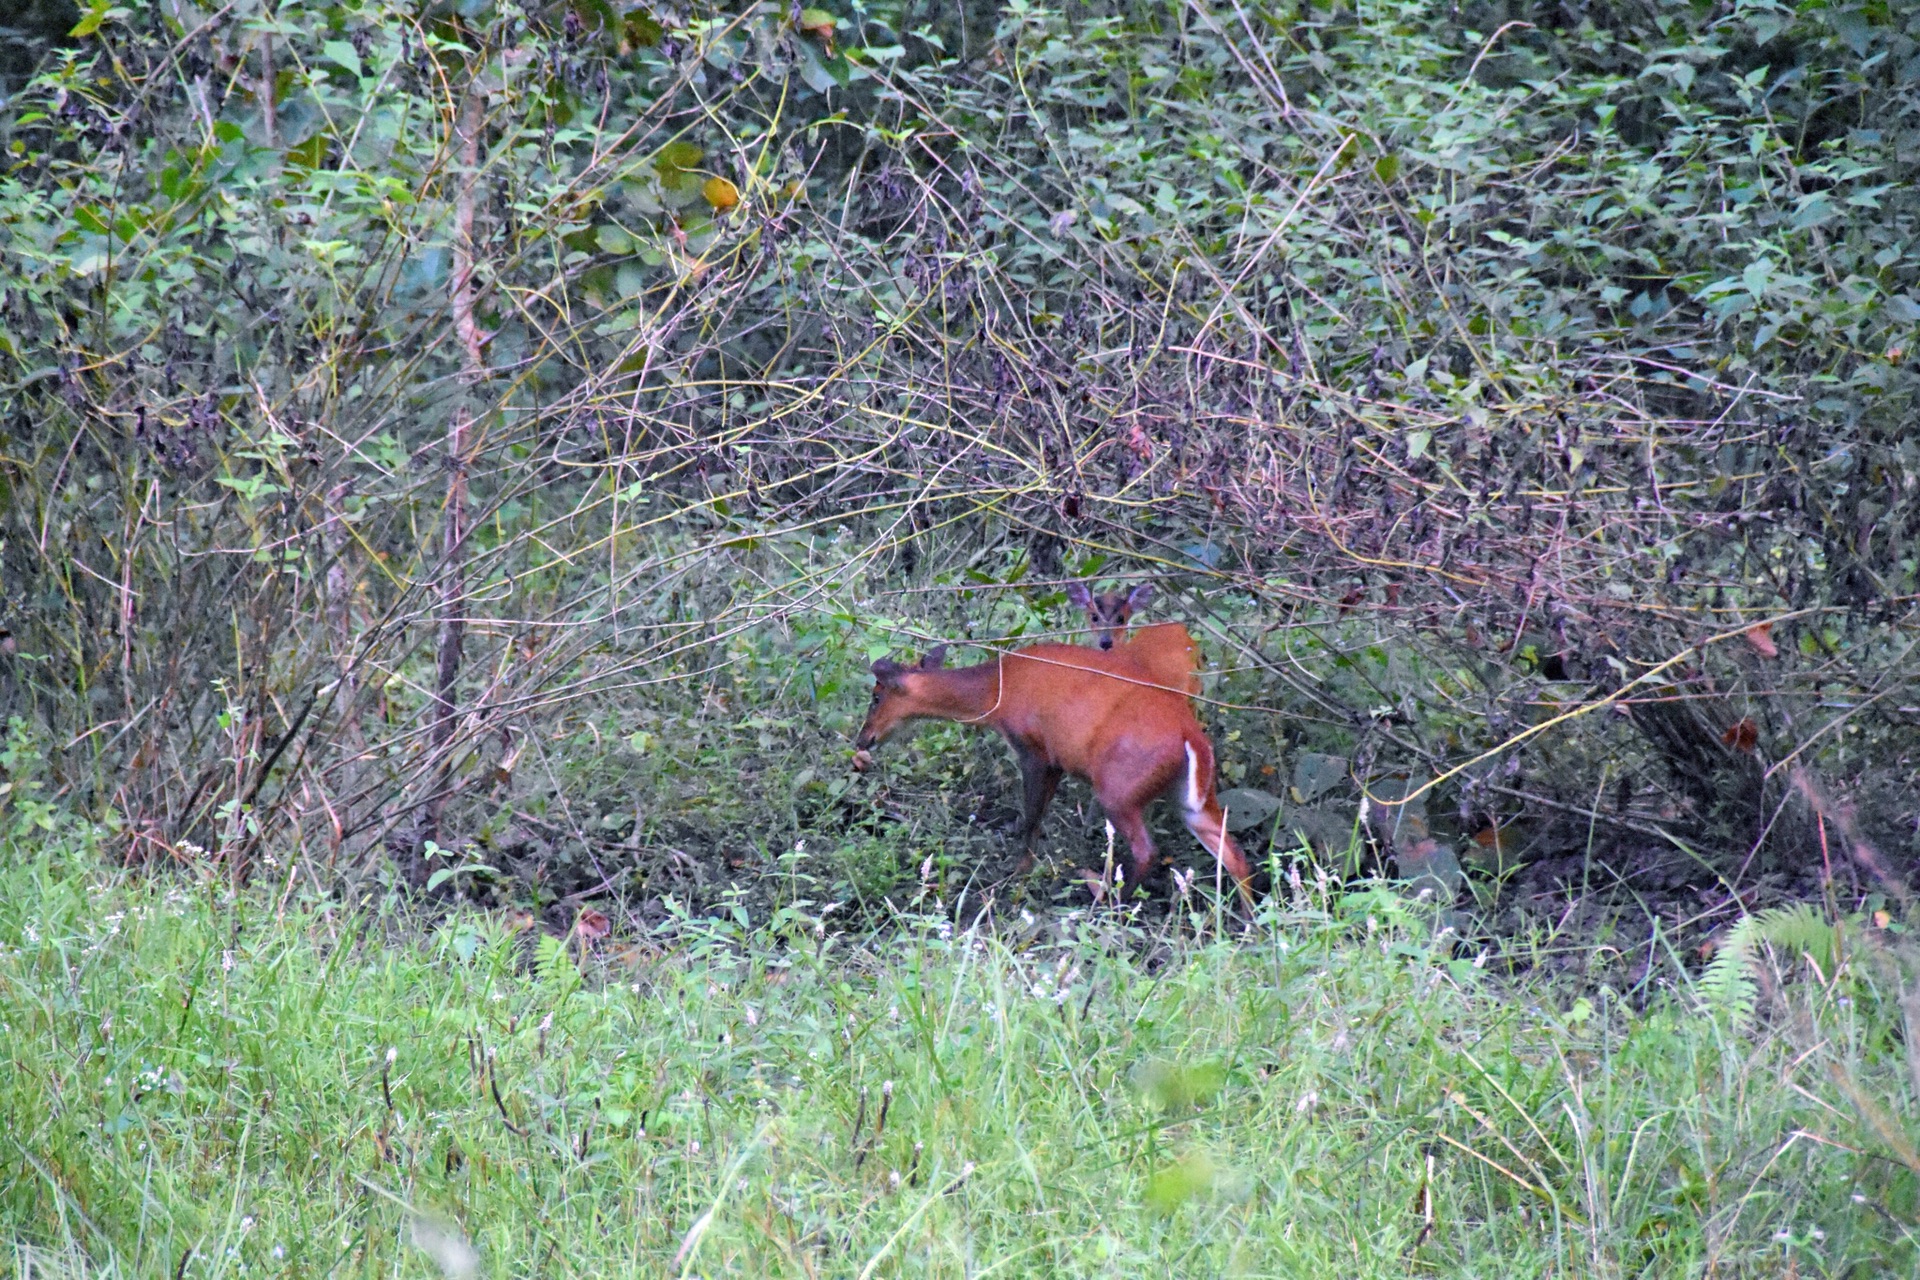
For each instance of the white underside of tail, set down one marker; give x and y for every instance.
(1194, 794)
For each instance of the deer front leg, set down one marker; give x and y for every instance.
(1039, 780)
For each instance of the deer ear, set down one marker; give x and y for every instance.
(935, 659)
(1141, 594)
(1078, 596)
(886, 668)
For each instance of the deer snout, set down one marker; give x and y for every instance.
(1106, 642)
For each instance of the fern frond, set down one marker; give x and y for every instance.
(1801, 929)
(1728, 986)
(553, 962)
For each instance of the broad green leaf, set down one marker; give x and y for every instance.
(343, 53)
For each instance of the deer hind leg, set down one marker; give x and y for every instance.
(1125, 789)
(1209, 827)
(1131, 822)
(1200, 810)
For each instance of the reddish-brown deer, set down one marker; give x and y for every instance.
(1065, 709)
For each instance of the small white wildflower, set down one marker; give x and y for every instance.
(226, 962)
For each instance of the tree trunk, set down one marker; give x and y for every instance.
(453, 565)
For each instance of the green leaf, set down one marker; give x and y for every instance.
(814, 73)
(343, 53)
(445, 874)
(679, 154)
(310, 154)
(643, 32)
(97, 15)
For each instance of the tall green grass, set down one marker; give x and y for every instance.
(201, 1084)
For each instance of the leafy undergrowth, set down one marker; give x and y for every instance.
(197, 1084)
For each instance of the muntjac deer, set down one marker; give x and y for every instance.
(1066, 709)
(1110, 611)
(1165, 649)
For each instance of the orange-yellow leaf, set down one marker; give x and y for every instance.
(1760, 636)
(720, 193)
